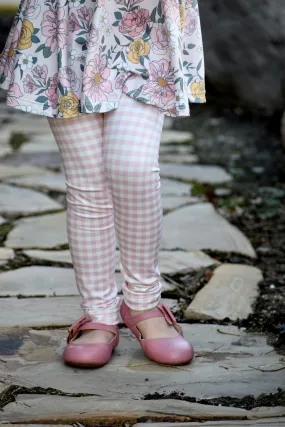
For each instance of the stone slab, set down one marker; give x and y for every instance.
(169, 261)
(176, 149)
(170, 203)
(2, 220)
(200, 226)
(227, 363)
(46, 312)
(22, 201)
(48, 181)
(43, 143)
(230, 293)
(170, 187)
(198, 173)
(8, 171)
(45, 231)
(179, 158)
(6, 254)
(41, 280)
(176, 137)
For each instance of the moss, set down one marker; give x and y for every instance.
(17, 139)
(4, 230)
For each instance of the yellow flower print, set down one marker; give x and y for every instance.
(198, 90)
(69, 105)
(182, 15)
(25, 40)
(138, 48)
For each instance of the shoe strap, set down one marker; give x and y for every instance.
(161, 310)
(83, 324)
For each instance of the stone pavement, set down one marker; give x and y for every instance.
(39, 300)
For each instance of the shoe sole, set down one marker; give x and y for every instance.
(83, 365)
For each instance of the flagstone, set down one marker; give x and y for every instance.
(48, 181)
(170, 187)
(44, 231)
(22, 201)
(8, 171)
(47, 312)
(199, 173)
(176, 149)
(2, 220)
(265, 422)
(200, 226)
(230, 293)
(6, 254)
(176, 137)
(173, 202)
(227, 363)
(179, 158)
(42, 143)
(55, 256)
(174, 261)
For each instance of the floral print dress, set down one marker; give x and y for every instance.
(67, 57)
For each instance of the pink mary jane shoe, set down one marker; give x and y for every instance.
(89, 355)
(167, 351)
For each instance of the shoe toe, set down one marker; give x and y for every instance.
(170, 351)
(87, 354)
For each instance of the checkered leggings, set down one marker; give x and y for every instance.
(112, 181)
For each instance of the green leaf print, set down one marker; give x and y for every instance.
(59, 59)
(88, 104)
(159, 9)
(153, 15)
(35, 39)
(61, 88)
(80, 40)
(123, 56)
(117, 40)
(36, 30)
(199, 65)
(191, 46)
(41, 47)
(42, 99)
(185, 52)
(116, 23)
(118, 15)
(97, 108)
(142, 100)
(45, 107)
(47, 52)
(137, 92)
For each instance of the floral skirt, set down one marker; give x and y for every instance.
(67, 57)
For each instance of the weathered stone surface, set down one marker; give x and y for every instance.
(4, 142)
(5, 255)
(21, 201)
(234, 63)
(174, 261)
(49, 181)
(176, 137)
(170, 187)
(56, 256)
(46, 312)
(48, 160)
(173, 202)
(199, 173)
(42, 143)
(230, 293)
(206, 229)
(226, 364)
(176, 149)
(7, 171)
(2, 220)
(179, 158)
(45, 231)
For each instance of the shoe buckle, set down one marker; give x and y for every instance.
(169, 316)
(74, 328)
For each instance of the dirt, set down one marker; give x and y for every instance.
(250, 148)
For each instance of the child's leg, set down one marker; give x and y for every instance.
(90, 221)
(131, 148)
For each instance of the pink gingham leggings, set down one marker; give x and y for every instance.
(112, 180)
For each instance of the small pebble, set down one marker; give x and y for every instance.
(272, 286)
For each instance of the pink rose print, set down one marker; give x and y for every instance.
(7, 57)
(134, 23)
(169, 7)
(101, 3)
(51, 93)
(29, 84)
(120, 83)
(40, 72)
(31, 9)
(92, 37)
(86, 14)
(161, 86)
(159, 39)
(95, 82)
(14, 92)
(55, 28)
(68, 79)
(73, 23)
(191, 21)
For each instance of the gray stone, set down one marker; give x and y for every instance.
(5, 147)
(175, 149)
(170, 187)
(56, 256)
(179, 158)
(173, 202)
(174, 261)
(6, 254)
(40, 143)
(21, 201)
(233, 423)
(8, 171)
(206, 229)
(199, 173)
(226, 364)
(176, 137)
(48, 181)
(46, 312)
(257, 24)
(45, 231)
(168, 122)
(230, 293)
(2, 220)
